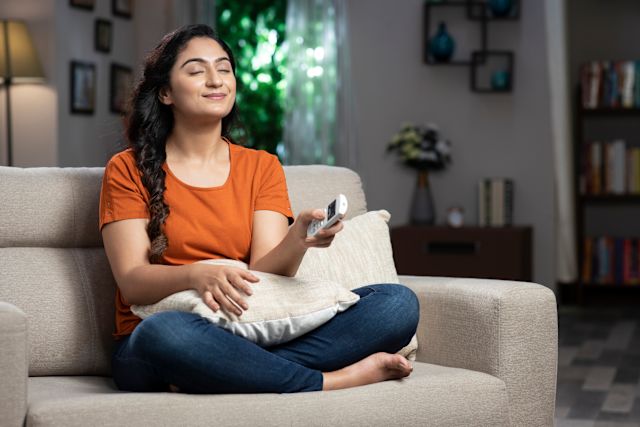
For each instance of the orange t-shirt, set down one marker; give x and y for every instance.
(203, 223)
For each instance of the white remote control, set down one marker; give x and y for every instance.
(332, 214)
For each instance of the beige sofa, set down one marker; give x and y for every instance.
(487, 349)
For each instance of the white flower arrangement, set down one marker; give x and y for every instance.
(421, 147)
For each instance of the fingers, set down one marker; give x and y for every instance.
(225, 302)
(248, 276)
(323, 238)
(207, 297)
(234, 295)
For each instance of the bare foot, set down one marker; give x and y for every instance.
(372, 369)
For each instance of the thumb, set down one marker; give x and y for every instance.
(311, 214)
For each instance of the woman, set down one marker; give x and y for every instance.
(184, 192)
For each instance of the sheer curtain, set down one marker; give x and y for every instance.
(566, 256)
(318, 102)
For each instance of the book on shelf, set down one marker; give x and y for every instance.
(495, 202)
(608, 260)
(610, 84)
(609, 167)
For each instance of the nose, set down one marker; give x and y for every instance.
(214, 79)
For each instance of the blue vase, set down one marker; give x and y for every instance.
(442, 45)
(500, 80)
(500, 8)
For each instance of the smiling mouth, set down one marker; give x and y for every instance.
(215, 96)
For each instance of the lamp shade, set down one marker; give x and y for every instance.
(18, 59)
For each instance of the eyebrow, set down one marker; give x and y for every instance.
(201, 60)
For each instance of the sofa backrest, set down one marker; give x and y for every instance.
(53, 266)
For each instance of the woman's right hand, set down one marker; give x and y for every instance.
(222, 286)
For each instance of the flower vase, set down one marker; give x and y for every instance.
(422, 208)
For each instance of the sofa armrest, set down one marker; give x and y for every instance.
(503, 328)
(14, 365)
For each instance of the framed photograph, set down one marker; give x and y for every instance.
(122, 8)
(83, 4)
(103, 34)
(83, 87)
(121, 85)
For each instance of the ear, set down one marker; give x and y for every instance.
(164, 95)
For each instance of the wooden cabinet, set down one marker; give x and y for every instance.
(484, 252)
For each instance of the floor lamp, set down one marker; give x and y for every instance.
(18, 64)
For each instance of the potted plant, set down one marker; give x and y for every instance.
(424, 149)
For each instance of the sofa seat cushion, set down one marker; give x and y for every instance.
(432, 396)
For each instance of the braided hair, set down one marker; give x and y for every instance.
(149, 123)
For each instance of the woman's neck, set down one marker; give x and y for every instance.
(196, 144)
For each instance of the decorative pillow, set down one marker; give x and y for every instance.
(280, 309)
(359, 255)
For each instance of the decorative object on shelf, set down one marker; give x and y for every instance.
(436, 50)
(442, 45)
(83, 87)
(430, 33)
(495, 202)
(500, 8)
(18, 64)
(122, 8)
(83, 4)
(494, 10)
(455, 216)
(422, 148)
(492, 71)
(500, 80)
(120, 88)
(103, 34)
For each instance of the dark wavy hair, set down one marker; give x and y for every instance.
(149, 123)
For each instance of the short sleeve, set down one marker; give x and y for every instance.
(122, 195)
(273, 194)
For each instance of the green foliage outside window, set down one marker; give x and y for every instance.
(255, 31)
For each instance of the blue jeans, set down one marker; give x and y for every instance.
(197, 356)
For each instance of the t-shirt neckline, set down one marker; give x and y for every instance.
(193, 187)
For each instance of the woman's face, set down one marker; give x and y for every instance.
(202, 83)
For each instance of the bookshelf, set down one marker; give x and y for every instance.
(607, 199)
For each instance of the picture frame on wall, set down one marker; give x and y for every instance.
(83, 87)
(120, 88)
(103, 35)
(83, 4)
(122, 8)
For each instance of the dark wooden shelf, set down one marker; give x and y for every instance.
(610, 198)
(610, 111)
(610, 285)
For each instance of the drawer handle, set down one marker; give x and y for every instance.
(452, 248)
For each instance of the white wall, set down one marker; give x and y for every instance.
(33, 106)
(492, 135)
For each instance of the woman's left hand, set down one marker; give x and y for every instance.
(323, 238)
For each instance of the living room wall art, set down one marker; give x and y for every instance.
(122, 8)
(120, 89)
(83, 87)
(83, 4)
(491, 71)
(103, 34)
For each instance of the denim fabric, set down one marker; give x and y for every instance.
(197, 356)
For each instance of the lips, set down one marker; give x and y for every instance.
(216, 96)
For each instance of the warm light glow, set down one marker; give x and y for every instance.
(18, 59)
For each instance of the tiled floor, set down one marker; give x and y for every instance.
(598, 367)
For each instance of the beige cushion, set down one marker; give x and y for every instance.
(431, 396)
(359, 255)
(67, 295)
(280, 308)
